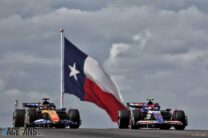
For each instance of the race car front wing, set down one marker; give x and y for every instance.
(47, 122)
(155, 122)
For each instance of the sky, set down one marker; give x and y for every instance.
(152, 49)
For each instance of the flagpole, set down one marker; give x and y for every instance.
(61, 85)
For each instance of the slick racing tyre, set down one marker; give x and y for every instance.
(123, 119)
(135, 117)
(179, 115)
(74, 116)
(30, 117)
(18, 117)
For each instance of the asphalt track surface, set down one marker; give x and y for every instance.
(118, 133)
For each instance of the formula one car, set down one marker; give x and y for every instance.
(149, 115)
(45, 114)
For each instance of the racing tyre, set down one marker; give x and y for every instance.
(75, 117)
(18, 117)
(30, 117)
(135, 117)
(179, 115)
(123, 119)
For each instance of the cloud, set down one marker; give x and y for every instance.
(2, 84)
(118, 49)
(142, 38)
(24, 59)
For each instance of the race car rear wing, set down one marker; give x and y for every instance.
(31, 105)
(135, 105)
(36, 105)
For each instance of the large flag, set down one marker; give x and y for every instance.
(84, 78)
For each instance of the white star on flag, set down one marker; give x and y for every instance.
(73, 72)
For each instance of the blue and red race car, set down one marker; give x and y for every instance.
(149, 115)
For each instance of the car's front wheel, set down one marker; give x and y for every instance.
(135, 117)
(123, 119)
(18, 117)
(179, 115)
(74, 116)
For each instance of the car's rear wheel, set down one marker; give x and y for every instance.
(123, 119)
(179, 115)
(18, 117)
(135, 117)
(30, 117)
(74, 116)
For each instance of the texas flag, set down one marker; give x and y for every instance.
(84, 78)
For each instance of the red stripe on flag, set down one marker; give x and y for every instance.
(105, 100)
